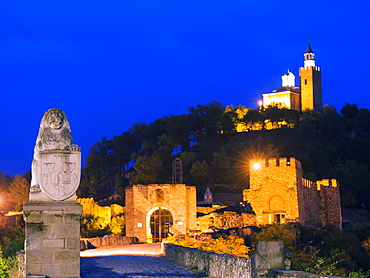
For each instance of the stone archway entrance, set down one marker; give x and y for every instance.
(161, 221)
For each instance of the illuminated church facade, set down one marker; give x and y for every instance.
(308, 96)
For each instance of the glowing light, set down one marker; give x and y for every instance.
(11, 213)
(260, 103)
(256, 166)
(139, 225)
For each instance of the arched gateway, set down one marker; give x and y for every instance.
(155, 210)
(160, 225)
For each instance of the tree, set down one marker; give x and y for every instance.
(146, 170)
(124, 146)
(200, 173)
(164, 153)
(187, 159)
(100, 169)
(5, 180)
(179, 129)
(349, 110)
(19, 190)
(220, 167)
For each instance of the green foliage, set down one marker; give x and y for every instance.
(12, 240)
(309, 260)
(5, 266)
(349, 110)
(359, 274)
(275, 233)
(117, 225)
(339, 251)
(147, 170)
(200, 173)
(94, 227)
(98, 226)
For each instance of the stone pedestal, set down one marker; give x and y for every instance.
(52, 239)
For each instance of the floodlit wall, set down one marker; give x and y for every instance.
(273, 190)
(90, 208)
(279, 194)
(143, 200)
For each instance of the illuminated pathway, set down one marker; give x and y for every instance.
(113, 262)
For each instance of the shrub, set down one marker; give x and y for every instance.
(275, 233)
(231, 245)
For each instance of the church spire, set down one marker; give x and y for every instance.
(309, 57)
(309, 49)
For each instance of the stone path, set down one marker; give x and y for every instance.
(128, 266)
(131, 261)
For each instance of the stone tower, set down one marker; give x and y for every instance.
(278, 194)
(310, 83)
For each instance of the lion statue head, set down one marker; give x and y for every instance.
(54, 132)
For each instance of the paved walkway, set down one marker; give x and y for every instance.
(152, 249)
(131, 261)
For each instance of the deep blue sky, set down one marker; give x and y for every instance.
(109, 64)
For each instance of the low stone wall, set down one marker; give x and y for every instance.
(269, 255)
(213, 265)
(88, 243)
(296, 274)
(267, 262)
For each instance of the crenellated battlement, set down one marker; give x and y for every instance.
(308, 183)
(327, 183)
(311, 67)
(273, 162)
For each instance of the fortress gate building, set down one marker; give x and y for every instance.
(279, 194)
(153, 211)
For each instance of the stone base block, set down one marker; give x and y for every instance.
(52, 237)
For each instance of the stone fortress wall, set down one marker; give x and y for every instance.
(91, 208)
(279, 194)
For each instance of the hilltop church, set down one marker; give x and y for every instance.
(308, 96)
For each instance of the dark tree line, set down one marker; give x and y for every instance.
(330, 145)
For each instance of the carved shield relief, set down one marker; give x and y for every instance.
(60, 173)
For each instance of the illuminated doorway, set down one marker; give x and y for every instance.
(161, 221)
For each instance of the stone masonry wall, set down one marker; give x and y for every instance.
(52, 238)
(279, 194)
(308, 202)
(143, 200)
(268, 255)
(223, 221)
(90, 208)
(273, 189)
(329, 202)
(267, 262)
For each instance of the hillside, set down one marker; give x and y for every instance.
(330, 145)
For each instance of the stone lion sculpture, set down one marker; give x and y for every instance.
(54, 134)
